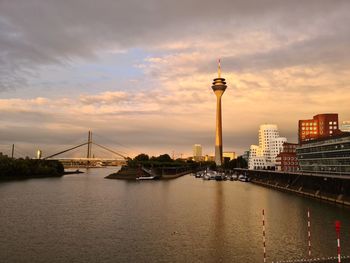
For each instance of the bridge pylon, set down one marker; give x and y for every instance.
(89, 144)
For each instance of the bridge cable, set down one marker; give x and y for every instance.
(109, 150)
(53, 155)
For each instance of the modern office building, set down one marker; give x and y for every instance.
(263, 156)
(286, 160)
(229, 155)
(39, 154)
(219, 87)
(257, 163)
(197, 153)
(320, 126)
(345, 126)
(327, 155)
(209, 158)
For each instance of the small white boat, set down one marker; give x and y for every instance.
(243, 178)
(199, 175)
(145, 178)
(206, 177)
(211, 174)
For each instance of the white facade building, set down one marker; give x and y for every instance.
(345, 126)
(270, 145)
(276, 147)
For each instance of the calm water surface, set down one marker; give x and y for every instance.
(86, 218)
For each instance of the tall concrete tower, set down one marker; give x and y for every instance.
(219, 87)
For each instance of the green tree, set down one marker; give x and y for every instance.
(141, 158)
(29, 167)
(164, 158)
(241, 162)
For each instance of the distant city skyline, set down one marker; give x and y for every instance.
(142, 82)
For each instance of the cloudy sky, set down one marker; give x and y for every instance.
(138, 73)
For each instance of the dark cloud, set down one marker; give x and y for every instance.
(37, 33)
(40, 32)
(331, 50)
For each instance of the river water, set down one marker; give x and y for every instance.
(86, 218)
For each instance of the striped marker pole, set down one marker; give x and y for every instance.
(309, 231)
(264, 239)
(337, 229)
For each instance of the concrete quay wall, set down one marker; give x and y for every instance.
(323, 187)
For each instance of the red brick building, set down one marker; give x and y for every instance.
(322, 125)
(287, 161)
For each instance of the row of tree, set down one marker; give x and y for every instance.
(164, 160)
(26, 168)
(240, 162)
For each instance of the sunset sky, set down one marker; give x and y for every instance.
(138, 73)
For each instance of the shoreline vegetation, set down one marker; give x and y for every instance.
(18, 169)
(161, 167)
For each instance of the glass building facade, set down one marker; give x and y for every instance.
(326, 156)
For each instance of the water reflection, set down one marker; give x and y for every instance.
(218, 217)
(86, 218)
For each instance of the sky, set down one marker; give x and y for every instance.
(139, 73)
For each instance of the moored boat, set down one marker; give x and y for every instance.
(146, 178)
(243, 178)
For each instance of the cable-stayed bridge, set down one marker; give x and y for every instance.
(79, 155)
(89, 160)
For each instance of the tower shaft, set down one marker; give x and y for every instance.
(218, 133)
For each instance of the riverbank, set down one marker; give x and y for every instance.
(174, 176)
(19, 169)
(126, 173)
(164, 173)
(19, 178)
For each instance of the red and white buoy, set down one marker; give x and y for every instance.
(337, 229)
(264, 239)
(309, 231)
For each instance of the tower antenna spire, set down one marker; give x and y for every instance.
(219, 68)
